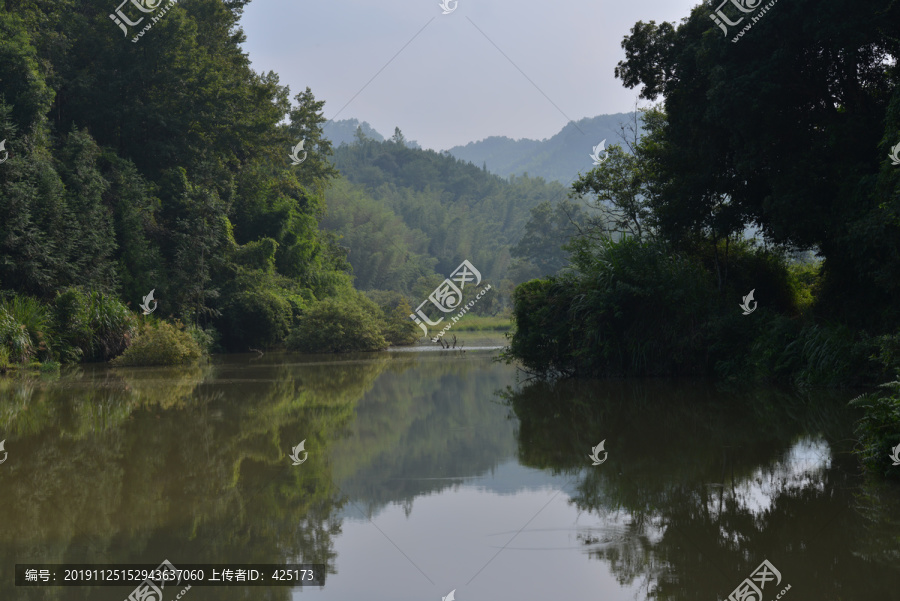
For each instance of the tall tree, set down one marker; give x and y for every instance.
(782, 128)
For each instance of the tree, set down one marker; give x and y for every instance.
(784, 132)
(546, 232)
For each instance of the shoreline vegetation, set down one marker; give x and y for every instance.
(180, 182)
(763, 168)
(79, 326)
(757, 172)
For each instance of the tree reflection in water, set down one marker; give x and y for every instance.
(702, 485)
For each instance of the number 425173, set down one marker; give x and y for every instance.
(297, 575)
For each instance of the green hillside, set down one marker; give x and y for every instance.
(409, 217)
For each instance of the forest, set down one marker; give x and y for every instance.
(793, 133)
(158, 175)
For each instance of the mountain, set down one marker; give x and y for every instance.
(406, 216)
(559, 158)
(344, 132)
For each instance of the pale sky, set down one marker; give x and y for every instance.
(452, 84)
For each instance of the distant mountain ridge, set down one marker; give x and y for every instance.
(344, 132)
(561, 157)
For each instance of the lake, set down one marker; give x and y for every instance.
(426, 471)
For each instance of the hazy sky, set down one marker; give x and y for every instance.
(452, 84)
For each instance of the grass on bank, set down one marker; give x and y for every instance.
(481, 323)
(879, 429)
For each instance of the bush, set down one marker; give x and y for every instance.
(397, 328)
(339, 325)
(26, 330)
(830, 356)
(14, 338)
(634, 309)
(805, 283)
(91, 325)
(766, 272)
(256, 318)
(160, 343)
(879, 428)
(887, 353)
(206, 338)
(542, 339)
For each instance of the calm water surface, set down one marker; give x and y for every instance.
(429, 471)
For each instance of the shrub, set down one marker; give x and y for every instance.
(398, 329)
(160, 343)
(5, 363)
(14, 338)
(91, 325)
(634, 308)
(879, 428)
(112, 325)
(339, 325)
(887, 353)
(256, 318)
(830, 356)
(766, 272)
(73, 328)
(49, 366)
(206, 338)
(34, 323)
(542, 339)
(759, 351)
(805, 283)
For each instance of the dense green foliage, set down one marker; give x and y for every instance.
(338, 326)
(355, 323)
(409, 217)
(787, 132)
(160, 165)
(616, 316)
(74, 326)
(160, 343)
(879, 429)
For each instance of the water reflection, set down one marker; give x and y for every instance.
(422, 477)
(702, 485)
